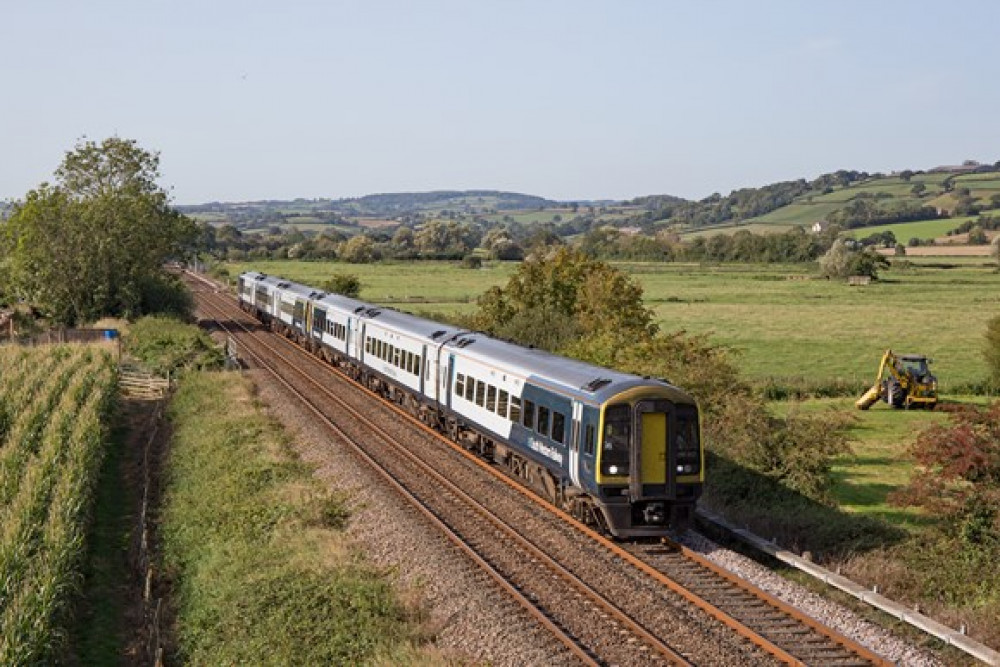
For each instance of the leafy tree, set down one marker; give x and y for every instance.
(347, 284)
(89, 245)
(566, 292)
(918, 189)
(977, 236)
(358, 249)
(844, 259)
(445, 239)
(836, 262)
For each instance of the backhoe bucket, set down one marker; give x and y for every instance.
(868, 399)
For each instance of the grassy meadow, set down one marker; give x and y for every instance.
(781, 321)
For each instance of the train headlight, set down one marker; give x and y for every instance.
(613, 470)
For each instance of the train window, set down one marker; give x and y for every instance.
(502, 404)
(491, 398)
(542, 428)
(368, 345)
(616, 438)
(459, 385)
(529, 414)
(515, 409)
(480, 393)
(588, 440)
(397, 357)
(558, 426)
(416, 364)
(470, 389)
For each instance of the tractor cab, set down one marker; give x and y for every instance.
(916, 366)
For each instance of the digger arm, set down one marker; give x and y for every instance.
(870, 397)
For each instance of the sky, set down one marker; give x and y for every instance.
(573, 99)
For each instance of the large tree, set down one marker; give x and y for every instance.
(95, 242)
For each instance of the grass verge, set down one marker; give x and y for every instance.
(259, 568)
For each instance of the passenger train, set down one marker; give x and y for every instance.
(617, 451)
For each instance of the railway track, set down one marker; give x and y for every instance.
(603, 604)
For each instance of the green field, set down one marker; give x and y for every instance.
(803, 213)
(754, 227)
(438, 286)
(780, 320)
(921, 229)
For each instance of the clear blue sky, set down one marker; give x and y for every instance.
(564, 99)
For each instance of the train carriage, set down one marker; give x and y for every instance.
(616, 450)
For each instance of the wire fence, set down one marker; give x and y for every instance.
(142, 554)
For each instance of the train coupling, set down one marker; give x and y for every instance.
(655, 514)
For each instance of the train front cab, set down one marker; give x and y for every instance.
(650, 464)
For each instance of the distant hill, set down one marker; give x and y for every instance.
(850, 199)
(406, 207)
(408, 202)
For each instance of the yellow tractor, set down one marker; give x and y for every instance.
(903, 381)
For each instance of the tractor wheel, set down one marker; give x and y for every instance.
(894, 395)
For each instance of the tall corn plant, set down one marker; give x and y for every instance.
(24, 437)
(59, 486)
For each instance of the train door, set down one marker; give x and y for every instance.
(318, 317)
(574, 443)
(348, 340)
(420, 369)
(446, 365)
(653, 426)
(359, 343)
(299, 315)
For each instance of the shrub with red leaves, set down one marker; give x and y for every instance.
(958, 474)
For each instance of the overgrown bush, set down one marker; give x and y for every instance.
(958, 476)
(167, 345)
(347, 284)
(166, 295)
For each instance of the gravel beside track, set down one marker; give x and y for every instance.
(876, 638)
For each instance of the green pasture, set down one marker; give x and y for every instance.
(798, 213)
(784, 323)
(414, 286)
(781, 321)
(754, 227)
(921, 229)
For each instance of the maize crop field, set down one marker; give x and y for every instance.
(55, 404)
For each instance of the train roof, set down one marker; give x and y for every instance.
(434, 332)
(275, 282)
(576, 377)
